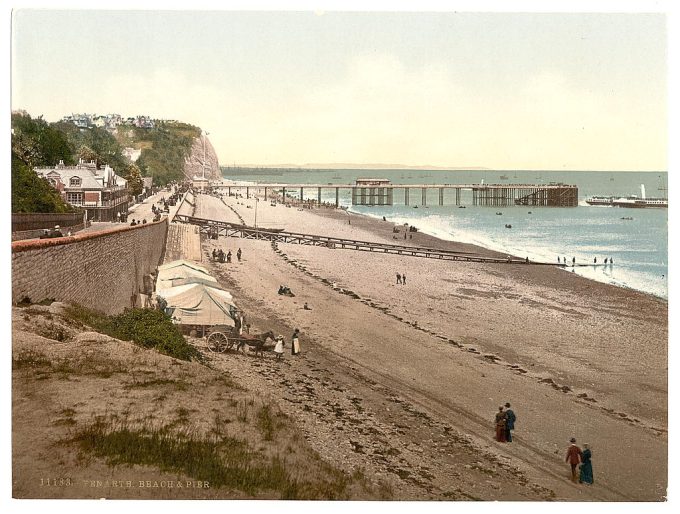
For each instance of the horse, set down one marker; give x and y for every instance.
(256, 343)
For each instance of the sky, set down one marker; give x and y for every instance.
(497, 90)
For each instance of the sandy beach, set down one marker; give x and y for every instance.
(574, 357)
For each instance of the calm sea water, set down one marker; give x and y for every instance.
(639, 246)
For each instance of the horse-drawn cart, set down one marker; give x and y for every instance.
(222, 338)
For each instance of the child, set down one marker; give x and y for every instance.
(278, 348)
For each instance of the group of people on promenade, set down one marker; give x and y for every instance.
(294, 347)
(505, 424)
(401, 278)
(50, 233)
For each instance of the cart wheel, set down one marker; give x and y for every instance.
(218, 342)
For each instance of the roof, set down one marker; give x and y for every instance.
(87, 178)
(183, 262)
(182, 275)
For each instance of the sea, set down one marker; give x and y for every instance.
(636, 239)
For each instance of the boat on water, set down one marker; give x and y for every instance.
(631, 201)
(600, 200)
(504, 177)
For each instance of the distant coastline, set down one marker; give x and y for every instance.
(424, 167)
(355, 166)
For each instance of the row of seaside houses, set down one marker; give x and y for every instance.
(108, 121)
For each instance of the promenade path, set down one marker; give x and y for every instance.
(138, 211)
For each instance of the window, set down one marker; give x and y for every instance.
(74, 182)
(74, 198)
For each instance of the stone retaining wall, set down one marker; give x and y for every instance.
(102, 270)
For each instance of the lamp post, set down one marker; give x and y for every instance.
(256, 202)
(204, 134)
(257, 234)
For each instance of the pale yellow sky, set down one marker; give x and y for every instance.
(507, 91)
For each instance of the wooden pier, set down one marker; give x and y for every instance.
(383, 193)
(214, 228)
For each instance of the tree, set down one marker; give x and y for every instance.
(134, 177)
(46, 144)
(35, 143)
(31, 193)
(87, 154)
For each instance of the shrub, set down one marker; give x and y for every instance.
(145, 327)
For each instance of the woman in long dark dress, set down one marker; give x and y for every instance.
(586, 475)
(500, 425)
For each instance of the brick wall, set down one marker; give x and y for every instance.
(102, 270)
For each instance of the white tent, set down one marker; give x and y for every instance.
(181, 275)
(183, 262)
(199, 304)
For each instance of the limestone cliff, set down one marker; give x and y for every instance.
(194, 163)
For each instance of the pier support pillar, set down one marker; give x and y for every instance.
(247, 192)
(406, 195)
(265, 194)
(284, 195)
(302, 195)
(424, 196)
(318, 197)
(441, 196)
(457, 196)
(337, 197)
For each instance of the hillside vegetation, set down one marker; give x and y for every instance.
(164, 150)
(36, 142)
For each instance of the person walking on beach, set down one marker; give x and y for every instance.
(595, 260)
(398, 278)
(295, 342)
(573, 458)
(500, 425)
(278, 347)
(238, 255)
(586, 472)
(510, 419)
(403, 279)
(573, 261)
(229, 256)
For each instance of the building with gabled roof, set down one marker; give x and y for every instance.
(101, 192)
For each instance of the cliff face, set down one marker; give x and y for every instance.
(194, 163)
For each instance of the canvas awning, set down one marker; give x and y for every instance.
(183, 274)
(199, 304)
(183, 262)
